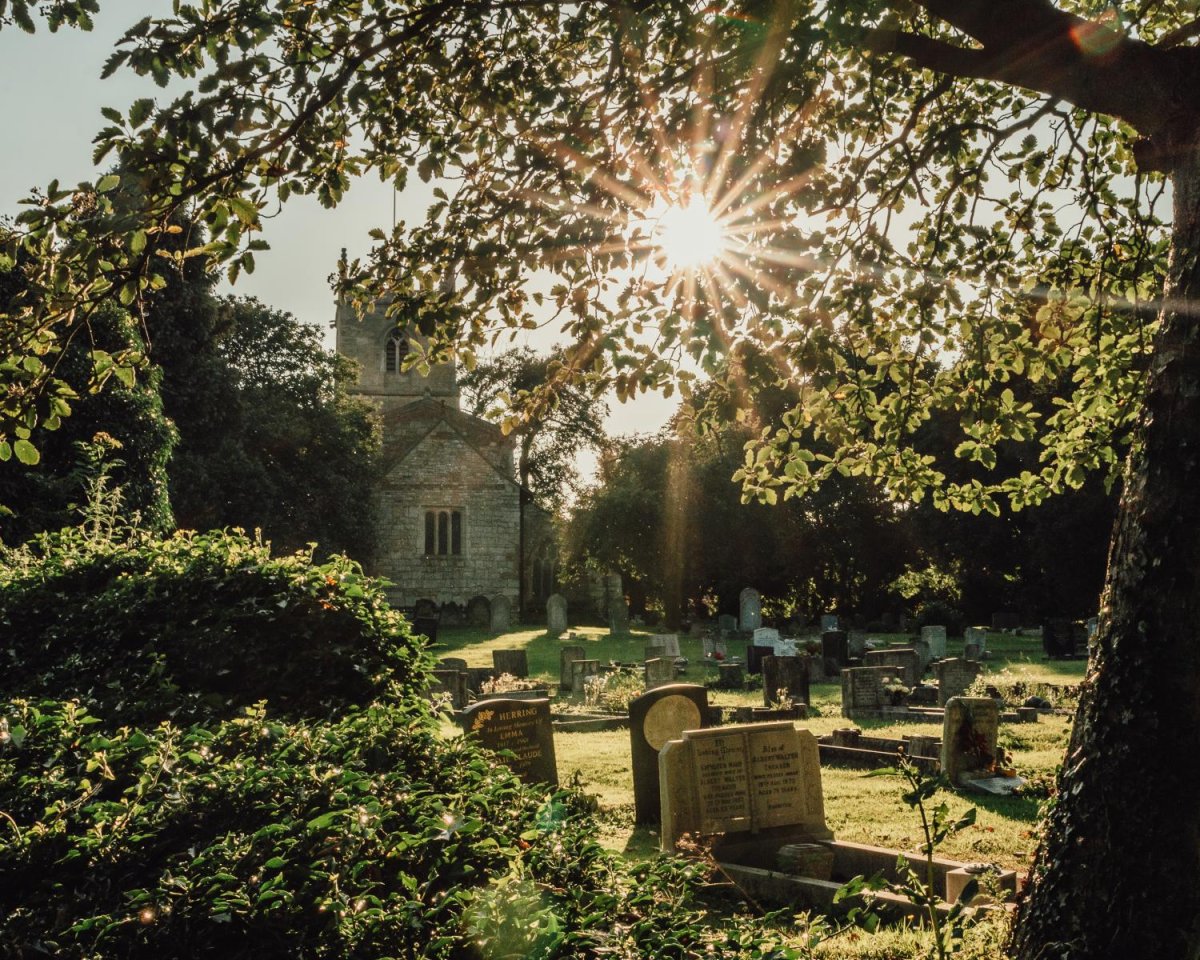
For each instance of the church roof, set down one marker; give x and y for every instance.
(404, 428)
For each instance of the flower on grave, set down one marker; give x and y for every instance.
(718, 655)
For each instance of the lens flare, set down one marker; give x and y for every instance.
(688, 235)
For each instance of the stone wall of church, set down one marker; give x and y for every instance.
(444, 473)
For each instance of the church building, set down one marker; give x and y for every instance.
(449, 505)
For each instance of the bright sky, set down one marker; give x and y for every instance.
(52, 97)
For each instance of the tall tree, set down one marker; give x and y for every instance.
(1032, 138)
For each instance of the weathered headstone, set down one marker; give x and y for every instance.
(856, 643)
(453, 682)
(478, 676)
(654, 718)
(935, 636)
(659, 672)
(521, 726)
(729, 676)
(513, 662)
(749, 609)
(977, 636)
(904, 659)
(581, 672)
(453, 663)
(741, 780)
(556, 614)
(727, 623)
(714, 648)
(618, 616)
(969, 733)
(501, 614)
(479, 611)
(863, 690)
(766, 637)
(754, 658)
(924, 656)
(954, 676)
(668, 641)
(566, 657)
(829, 621)
(835, 647)
(785, 679)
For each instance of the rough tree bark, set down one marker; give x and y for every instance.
(1118, 870)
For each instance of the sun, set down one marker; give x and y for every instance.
(689, 235)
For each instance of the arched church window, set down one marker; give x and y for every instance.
(443, 533)
(394, 352)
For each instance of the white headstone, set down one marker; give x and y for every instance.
(766, 637)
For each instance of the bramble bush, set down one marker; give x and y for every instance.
(209, 752)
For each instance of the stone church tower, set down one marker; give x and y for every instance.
(449, 505)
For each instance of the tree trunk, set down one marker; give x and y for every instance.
(1117, 873)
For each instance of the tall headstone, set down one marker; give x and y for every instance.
(659, 672)
(566, 657)
(935, 636)
(618, 616)
(556, 614)
(754, 658)
(903, 659)
(969, 732)
(479, 611)
(836, 647)
(924, 656)
(654, 718)
(501, 614)
(520, 726)
(741, 780)
(785, 679)
(513, 662)
(749, 609)
(954, 677)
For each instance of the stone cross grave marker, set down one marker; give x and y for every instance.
(522, 726)
(741, 779)
(654, 718)
(954, 676)
(785, 678)
(749, 609)
(659, 672)
(556, 614)
(567, 656)
(936, 638)
(513, 662)
(969, 732)
(501, 614)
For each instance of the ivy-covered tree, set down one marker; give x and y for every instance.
(907, 206)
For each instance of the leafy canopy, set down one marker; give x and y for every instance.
(899, 242)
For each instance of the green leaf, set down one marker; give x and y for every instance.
(26, 452)
(108, 182)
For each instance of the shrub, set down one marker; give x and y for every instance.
(196, 627)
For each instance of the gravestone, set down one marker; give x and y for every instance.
(856, 643)
(618, 616)
(977, 636)
(425, 608)
(513, 662)
(479, 611)
(729, 676)
(749, 609)
(903, 659)
(829, 621)
(581, 672)
(567, 656)
(835, 647)
(426, 627)
(451, 615)
(935, 636)
(669, 642)
(924, 656)
(741, 780)
(863, 690)
(659, 672)
(727, 623)
(521, 726)
(754, 658)
(654, 718)
(478, 676)
(453, 663)
(556, 614)
(969, 733)
(1093, 627)
(501, 614)
(954, 676)
(453, 682)
(1064, 638)
(785, 679)
(714, 648)
(765, 637)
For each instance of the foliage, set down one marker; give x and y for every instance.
(613, 691)
(196, 627)
(936, 826)
(553, 430)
